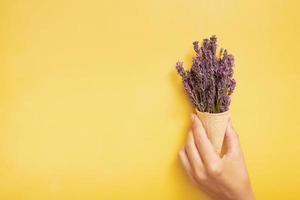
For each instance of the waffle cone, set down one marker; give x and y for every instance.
(215, 125)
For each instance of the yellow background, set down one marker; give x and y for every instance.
(91, 106)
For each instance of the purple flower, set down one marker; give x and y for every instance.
(180, 69)
(209, 82)
(196, 46)
(224, 104)
(231, 87)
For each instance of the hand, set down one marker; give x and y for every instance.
(222, 178)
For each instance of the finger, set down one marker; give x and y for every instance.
(204, 146)
(231, 139)
(193, 154)
(186, 165)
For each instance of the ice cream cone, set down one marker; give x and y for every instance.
(215, 125)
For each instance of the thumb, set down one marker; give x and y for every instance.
(231, 139)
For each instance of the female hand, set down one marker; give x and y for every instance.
(222, 178)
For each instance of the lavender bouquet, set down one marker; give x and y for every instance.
(209, 84)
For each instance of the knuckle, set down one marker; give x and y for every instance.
(200, 176)
(196, 128)
(214, 170)
(189, 147)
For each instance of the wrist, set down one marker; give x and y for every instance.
(243, 194)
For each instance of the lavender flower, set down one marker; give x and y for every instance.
(209, 82)
(196, 46)
(180, 69)
(231, 86)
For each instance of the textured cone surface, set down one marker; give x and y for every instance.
(215, 125)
